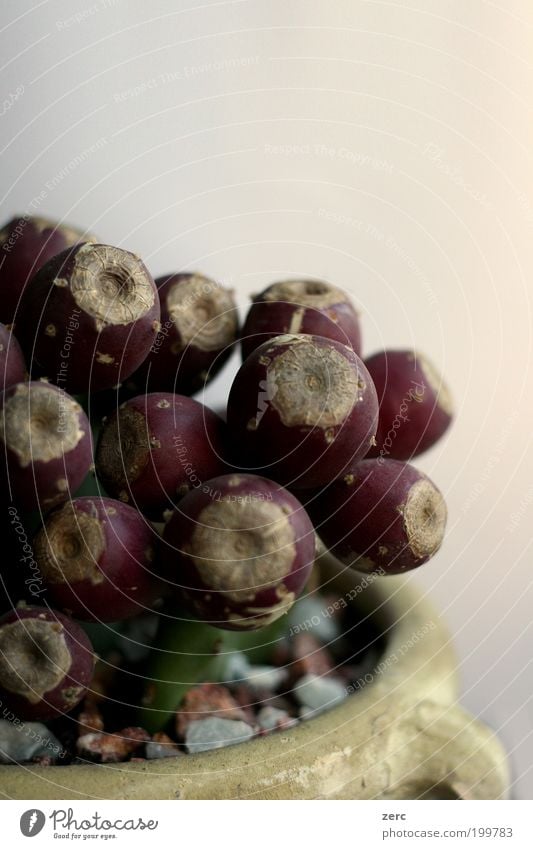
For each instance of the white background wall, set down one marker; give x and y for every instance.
(385, 146)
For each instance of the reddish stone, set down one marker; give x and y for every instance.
(206, 700)
(112, 748)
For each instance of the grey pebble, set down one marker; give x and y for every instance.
(238, 669)
(160, 750)
(25, 741)
(265, 677)
(271, 718)
(215, 733)
(237, 666)
(137, 637)
(317, 693)
(310, 614)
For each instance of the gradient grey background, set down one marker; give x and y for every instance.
(385, 146)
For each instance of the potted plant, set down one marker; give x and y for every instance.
(216, 528)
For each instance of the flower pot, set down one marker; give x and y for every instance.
(401, 736)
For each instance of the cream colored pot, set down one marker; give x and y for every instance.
(400, 737)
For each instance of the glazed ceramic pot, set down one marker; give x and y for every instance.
(401, 736)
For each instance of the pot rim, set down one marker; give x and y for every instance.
(418, 657)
